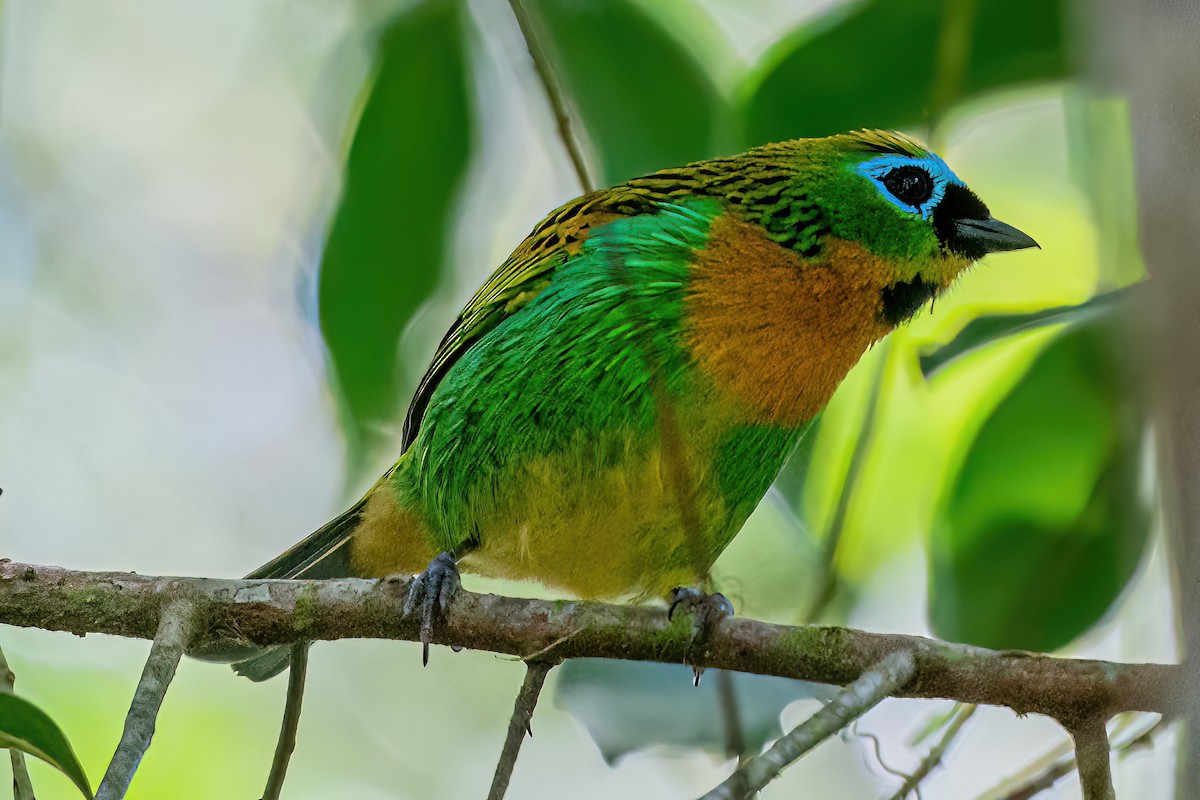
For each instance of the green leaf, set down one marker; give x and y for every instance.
(986, 330)
(387, 247)
(26, 727)
(1046, 521)
(631, 705)
(895, 63)
(644, 102)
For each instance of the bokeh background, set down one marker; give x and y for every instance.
(231, 234)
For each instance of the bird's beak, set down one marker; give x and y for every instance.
(980, 236)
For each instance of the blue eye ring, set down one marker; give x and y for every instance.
(878, 169)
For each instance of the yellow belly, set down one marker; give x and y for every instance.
(603, 533)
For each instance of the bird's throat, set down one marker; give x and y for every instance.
(903, 299)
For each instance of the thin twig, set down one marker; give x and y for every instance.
(1093, 757)
(731, 717)
(22, 786)
(519, 725)
(169, 643)
(297, 672)
(236, 615)
(962, 713)
(554, 93)
(852, 702)
(827, 588)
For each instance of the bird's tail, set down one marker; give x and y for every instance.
(325, 553)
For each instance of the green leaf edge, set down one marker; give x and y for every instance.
(991, 328)
(19, 706)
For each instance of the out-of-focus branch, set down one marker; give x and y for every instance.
(852, 702)
(832, 540)
(297, 673)
(232, 615)
(1043, 776)
(936, 753)
(1093, 760)
(1147, 52)
(22, 786)
(519, 725)
(170, 640)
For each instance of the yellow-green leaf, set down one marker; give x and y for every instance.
(27, 728)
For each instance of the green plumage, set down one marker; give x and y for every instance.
(612, 404)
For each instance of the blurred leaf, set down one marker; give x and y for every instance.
(631, 705)
(983, 331)
(876, 65)
(1046, 521)
(26, 727)
(1101, 157)
(387, 248)
(644, 102)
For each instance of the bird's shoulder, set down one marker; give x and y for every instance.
(526, 273)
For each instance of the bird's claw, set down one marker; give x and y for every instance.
(708, 610)
(432, 591)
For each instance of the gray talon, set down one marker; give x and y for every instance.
(432, 591)
(708, 610)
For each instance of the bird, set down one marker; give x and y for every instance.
(611, 405)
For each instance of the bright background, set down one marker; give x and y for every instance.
(170, 181)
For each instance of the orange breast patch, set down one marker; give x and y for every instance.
(776, 333)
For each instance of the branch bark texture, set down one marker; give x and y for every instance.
(233, 615)
(169, 642)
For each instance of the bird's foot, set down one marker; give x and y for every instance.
(431, 592)
(708, 610)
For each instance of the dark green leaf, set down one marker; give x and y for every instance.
(1046, 521)
(387, 248)
(631, 705)
(983, 331)
(644, 102)
(877, 65)
(26, 727)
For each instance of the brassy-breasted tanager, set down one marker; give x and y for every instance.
(611, 405)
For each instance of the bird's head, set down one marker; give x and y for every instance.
(903, 205)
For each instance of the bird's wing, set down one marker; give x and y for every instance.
(520, 279)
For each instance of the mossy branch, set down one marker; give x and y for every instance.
(231, 615)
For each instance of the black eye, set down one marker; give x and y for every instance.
(911, 185)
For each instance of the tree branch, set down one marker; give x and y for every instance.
(1093, 759)
(1049, 770)
(169, 642)
(22, 786)
(297, 672)
(518, 725)
(852, 702)
(232, 615)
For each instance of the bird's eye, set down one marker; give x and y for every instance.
(910, 185)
